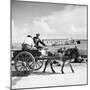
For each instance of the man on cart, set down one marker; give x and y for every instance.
(28, 43)
(33, 43)
(38, 41)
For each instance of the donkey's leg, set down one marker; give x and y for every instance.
(71, 67)
(46, 63)
(51, 64)
(62, 67)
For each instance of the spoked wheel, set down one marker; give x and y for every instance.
(38, 64)
(24, 61)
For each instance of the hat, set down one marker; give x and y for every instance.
(29, 36)
(37, 34)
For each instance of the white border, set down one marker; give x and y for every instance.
(5, 43)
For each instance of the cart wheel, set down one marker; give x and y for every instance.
(38, 64)
(24, 61)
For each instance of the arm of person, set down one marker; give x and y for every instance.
(42, 43)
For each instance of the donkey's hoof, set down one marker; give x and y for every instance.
(54, 72)
(73, 72)
(62, 72)
(43, 71)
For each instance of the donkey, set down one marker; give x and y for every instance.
(65, 55)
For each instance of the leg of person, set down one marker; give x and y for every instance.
(39, 47)
(26, 47)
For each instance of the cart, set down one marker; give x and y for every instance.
(29, 60)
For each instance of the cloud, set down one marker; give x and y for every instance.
(14, 31)
(70, 22)
(18, 34)
(43, 26)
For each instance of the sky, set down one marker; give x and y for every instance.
(51, 20)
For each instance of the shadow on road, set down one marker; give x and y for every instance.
(46, 73)
(14, 81)
(19, 74)
(24, 74)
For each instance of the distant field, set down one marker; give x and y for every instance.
(82, 47)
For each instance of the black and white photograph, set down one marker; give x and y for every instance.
(49, 44)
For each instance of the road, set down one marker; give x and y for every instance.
(39, 79)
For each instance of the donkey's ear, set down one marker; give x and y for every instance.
(58, 50)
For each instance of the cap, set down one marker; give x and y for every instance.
(29, 36)
(37, 34)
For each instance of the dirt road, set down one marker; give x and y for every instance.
(39, 79)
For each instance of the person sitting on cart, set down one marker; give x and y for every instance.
(38, 41)
(28, 43)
